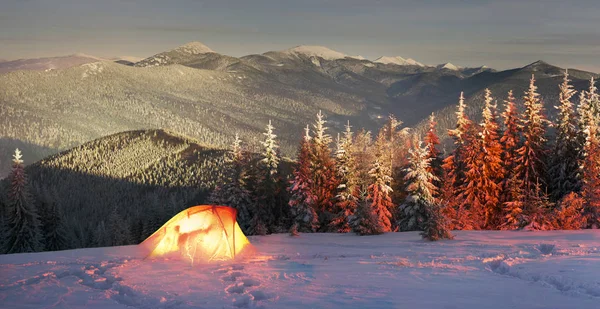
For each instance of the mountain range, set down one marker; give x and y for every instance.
(198, 92)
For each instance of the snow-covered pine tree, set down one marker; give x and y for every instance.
(302, 200)
(420, 189)
(433, 141)
(593, 99)
(531, 156)
(454, 167)
(563, 169)
(510, 140)
(323, 170)
(234, 192)
(379, 191)
(361, 152)
(24, 227)
(268, 211)
(591, 178)
(484, 174)
(346, 200)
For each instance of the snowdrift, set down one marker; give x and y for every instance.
(199, 234)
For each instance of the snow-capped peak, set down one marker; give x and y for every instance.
(397, 60)
(448, 66)
(194, 48)
(316, 51)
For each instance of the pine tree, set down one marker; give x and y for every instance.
(102, 238)
(346, 200)
(117, 229)
(302, 200)
(420, 190)
(436, 225)
(24, 227)
(268, 211)
(432, 141)
(482, 188)
(593, 99)
(323, 170)
(513, 206)
(365, 220)
(569, 213)
(361, 152)
(531, 156)
(379, 191)
(454, 167)
(53, 225)
(591, 178)
(563, 167)
(510, 138)
(234, 192)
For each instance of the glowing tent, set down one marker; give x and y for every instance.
(200, 234)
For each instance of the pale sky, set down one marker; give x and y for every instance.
(499, 34)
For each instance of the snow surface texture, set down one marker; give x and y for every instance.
(448, 66)
(398, 61)
(319, 51)
(483, 269)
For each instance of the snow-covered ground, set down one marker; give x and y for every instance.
(396, 270)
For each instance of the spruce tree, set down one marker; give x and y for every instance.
(323, 170)
(101, 236)
(531, 156)
(591, 178)
(268, 212)
(346, 200)
(24, 227)
(379, 192)
(361, 152)
(511, 139)
(454, 167)
(436, 225)
(234, 192)
(593, 99)
(432, 141)
(117, 229)
(569, 213)
(302, 200)
(365, 221)
(482, 188)
(563, 167)
(512, 191)
(514, 204)
(420, 188)
(53, 225)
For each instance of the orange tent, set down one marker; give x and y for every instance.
(200, 234)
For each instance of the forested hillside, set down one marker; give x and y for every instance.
(129, 183)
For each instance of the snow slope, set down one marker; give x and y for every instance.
(448, 66)
(397, 61)
(318, 51)
(396, 270)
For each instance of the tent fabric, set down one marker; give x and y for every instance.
(200, 234)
